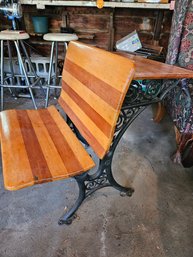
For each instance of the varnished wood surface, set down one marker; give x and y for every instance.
(150, 69)
(38, 146)
(94, 84)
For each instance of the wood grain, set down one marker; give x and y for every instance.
(92, 82)
(90, 97)
(105, 79)
(150, 69)
(36, 149)
(38, 164)
(95, 116)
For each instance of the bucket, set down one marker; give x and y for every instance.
(40, 24)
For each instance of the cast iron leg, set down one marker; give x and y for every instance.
(123, 190)
(68, 217)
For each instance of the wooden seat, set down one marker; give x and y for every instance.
(38, 146)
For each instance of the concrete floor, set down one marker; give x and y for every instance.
(156, 221)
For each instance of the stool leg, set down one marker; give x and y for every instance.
(56, 62)
(11, 67)
(31, 68)
(66, 46)
(25, 73)
(2, 76)
(49, 74)
(70, 215)
(56, 68)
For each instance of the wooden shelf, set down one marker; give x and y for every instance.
(42, 4)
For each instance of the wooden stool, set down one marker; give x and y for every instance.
(55, 38)
(17, 38)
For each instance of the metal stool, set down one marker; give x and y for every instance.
(28, 78)
(55, 38)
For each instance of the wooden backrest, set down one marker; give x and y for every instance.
(94, 84)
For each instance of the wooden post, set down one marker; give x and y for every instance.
(111, 31)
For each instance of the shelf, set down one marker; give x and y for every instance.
(42, 4)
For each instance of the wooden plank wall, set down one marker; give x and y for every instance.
(101, 27)
(142, 20)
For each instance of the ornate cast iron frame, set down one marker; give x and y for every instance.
(140, 95)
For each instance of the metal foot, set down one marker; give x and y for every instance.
(70, 215)
(124, 191)
(67, 221)
(129, 192)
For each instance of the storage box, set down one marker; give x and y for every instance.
(39, 63)
(130, 43)
(41, 66)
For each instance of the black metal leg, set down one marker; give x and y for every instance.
(138, 98)
(123, 190)
(69, 216)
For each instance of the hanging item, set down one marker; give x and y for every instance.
(12, 10)
(99, 4)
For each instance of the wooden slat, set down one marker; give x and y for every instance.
(90, 97)
(12, 141)
(83, 122)
(60, 142)
(39, 167)
(94, 84)
(94, 116)
(37, 147)
(84, 127)
(101, 64)
(47, 144)
(71, 140)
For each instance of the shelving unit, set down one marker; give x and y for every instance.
(41, 4)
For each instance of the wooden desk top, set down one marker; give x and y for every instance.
(149, 69)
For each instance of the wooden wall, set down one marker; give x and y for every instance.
(103, 27)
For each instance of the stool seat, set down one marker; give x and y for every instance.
(13, 35)
(27, 77)
(60, 37)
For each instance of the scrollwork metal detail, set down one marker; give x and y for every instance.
(94, 184)
(142, 91)
(126, 116)
(139, 96)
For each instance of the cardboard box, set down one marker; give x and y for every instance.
(130, 43)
